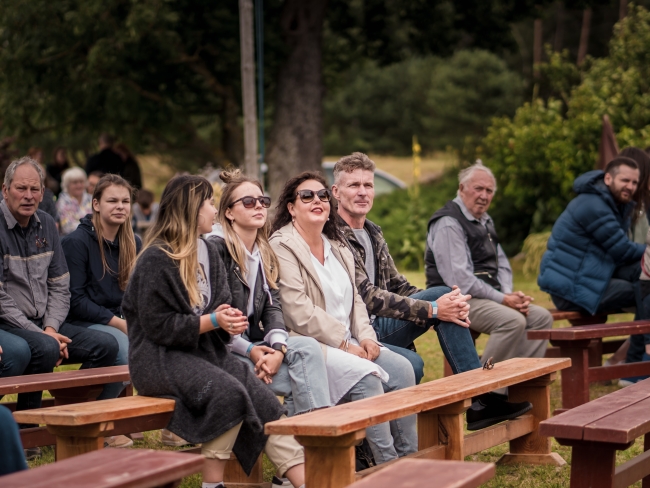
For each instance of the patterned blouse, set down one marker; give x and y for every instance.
(70, 212)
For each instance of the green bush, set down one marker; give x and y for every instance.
(537, 154)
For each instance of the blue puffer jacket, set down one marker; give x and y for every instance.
(589, 241)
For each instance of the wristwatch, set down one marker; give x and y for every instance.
(434, 307)
(278, 346)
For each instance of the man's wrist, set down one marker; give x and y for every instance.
(434, 310)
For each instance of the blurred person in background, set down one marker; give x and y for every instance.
(131, 171)
(55, 169)
(74, 203)
(106, 160)
(144, 212)
(93, 179)
(47, 204)
(639, 223)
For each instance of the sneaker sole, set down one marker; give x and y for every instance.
(482, 424)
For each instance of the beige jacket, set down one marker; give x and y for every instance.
(303, 301)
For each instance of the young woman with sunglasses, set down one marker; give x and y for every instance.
(317, 279)
(180, 323)
(293, 367)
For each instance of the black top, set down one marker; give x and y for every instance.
(105, 161)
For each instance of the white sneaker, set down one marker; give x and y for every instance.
(623, 383)
(171, 439)
(118, 441)
(281, 482)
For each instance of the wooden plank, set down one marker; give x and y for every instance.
(624, 426)
(434, 452)
(63, 379)
(642, 368)
(498, 434)
(632, 471)
(571, 424)
(411, 473)
(94, 412)
(592, 331)
(358, 415)
(110, 468)
(592, 465)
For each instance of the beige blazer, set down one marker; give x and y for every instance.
(301, 294)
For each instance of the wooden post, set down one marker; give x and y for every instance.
(575, 380)
(329, 461)
(74, 440)
(533, 448)
(584, 35)
(646, 447)
(592, 465)
(427, 429)
(247, 40)
(451, 430)
(537, 47)
(235, 477)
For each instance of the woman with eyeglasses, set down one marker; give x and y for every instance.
(317, 280)
(177, 305)
(293, 367)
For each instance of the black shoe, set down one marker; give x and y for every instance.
(490, 409)
(363, 456)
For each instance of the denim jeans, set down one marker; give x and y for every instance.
(638, 342)
(396, 438)
(12, 458)
(15, 356)
(113, 390)
(302, 377)
(94, 349)
(456, 341)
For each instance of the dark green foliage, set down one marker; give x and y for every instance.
(446, 102)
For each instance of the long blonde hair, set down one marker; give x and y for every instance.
(125, 235)
(233, 180)
(175, 229)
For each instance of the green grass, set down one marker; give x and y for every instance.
(519, 476)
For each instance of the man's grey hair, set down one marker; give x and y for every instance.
(347, 164)
(466, 175)
(11, 170)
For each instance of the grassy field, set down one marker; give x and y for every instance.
(429, 348)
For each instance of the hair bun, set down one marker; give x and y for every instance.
(231, 175)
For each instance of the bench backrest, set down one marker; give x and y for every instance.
(592, 331)
(110, 468)
(352, 417)
(63, 379)
(619, 417)
(95, 412)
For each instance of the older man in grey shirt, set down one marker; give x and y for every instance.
(463, 248)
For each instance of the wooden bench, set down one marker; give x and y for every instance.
(113, 468)
(329, 435)
(575, 319)
(66, 387)
(80, 428)
(596, 430)
(575, 342)
(420, 472)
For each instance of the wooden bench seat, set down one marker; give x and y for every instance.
(418, 473)
(113, 468)
(329, 435)
(574, 343)
(596, 430)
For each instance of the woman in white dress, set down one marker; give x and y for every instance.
(321, 301)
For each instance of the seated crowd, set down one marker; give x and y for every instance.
(224, 310)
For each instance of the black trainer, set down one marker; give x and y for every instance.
(492, 409)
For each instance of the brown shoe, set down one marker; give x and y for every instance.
(171, 439)
(118, 441)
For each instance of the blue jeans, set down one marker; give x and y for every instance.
(638, 342)
(302, 377)
(15, 356)
(113, 390)
(456, 341)
(12, 458)
(396, 438)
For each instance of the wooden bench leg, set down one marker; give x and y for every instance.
(592, 465)
(575, 380)
(72, 441)
(446, 368)
(235, 477)
(451, 428)
(533, 448)
(329, 461)
(646, 447)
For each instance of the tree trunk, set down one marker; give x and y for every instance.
(537, 46)
(231, 134)
(559, 28)
(247, 41)
(622, 9)
(295, 142)
(584, 35)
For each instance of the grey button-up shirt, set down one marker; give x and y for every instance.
(447, 239)
(34, 279)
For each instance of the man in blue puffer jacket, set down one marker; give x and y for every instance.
(590, 264)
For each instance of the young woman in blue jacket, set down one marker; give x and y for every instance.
(101, 253)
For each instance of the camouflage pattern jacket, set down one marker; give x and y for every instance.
(389, 295)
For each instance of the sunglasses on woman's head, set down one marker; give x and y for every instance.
(307, 196)
(250, 202)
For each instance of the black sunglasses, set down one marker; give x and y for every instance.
(307, 196)
(249, 202)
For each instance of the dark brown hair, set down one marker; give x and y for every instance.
(125, 235)
(617, 162)
(288, 195)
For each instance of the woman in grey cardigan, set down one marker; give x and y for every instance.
(176, 305)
